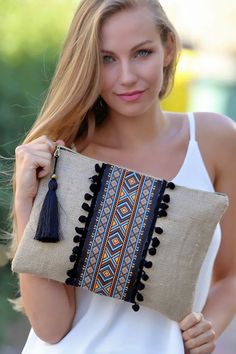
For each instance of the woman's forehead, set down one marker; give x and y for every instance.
(130, 26)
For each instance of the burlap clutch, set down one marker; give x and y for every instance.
(122, 234)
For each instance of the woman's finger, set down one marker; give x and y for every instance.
(204, 338)
(196, 330)
(191, 320)
(204, 349)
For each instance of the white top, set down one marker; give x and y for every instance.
(103, 325)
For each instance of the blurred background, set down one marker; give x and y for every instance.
(32, 33)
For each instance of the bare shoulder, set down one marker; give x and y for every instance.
(216, 135)
(217, 128)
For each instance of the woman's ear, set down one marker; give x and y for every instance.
(169, 48)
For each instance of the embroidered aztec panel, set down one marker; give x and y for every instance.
(119, 232)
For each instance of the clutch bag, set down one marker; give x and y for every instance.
(119, 233)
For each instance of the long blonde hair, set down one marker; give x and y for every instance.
(71, 109)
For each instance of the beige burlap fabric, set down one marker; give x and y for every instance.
(188, 230)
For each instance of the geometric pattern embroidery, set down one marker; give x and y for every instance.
(125, 210)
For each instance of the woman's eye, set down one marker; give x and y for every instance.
(107, 59)
(144, 52)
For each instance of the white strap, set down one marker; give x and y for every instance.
(192, 126)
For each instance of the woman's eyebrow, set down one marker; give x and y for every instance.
(136, 46)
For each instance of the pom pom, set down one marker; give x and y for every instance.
(162, 213)
(88, 196)
(73, 258)
(139, 297)
(155, 242)
(77, 238)
(82, 219)
(93, 187)
(166, 198)
(170, 185)
(135, 307)
(158, 230)
(164, 206)
(79, 230)
(75, 250)
(98, 168)
(141, 286)
(145, 277)
(152, 251)
(148, 264)
(86, 207)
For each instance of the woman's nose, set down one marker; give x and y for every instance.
(128, 75)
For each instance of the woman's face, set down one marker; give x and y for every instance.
(133, 60)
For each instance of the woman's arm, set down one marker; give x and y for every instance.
(200, 333)
(49, 305)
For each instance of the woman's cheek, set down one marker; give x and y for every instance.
(109, 78)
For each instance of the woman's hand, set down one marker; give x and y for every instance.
(198, 335)
(33, 161)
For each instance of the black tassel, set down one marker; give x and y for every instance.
(48, 224)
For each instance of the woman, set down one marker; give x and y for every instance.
(117, 63)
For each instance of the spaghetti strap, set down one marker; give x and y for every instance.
(192, 126)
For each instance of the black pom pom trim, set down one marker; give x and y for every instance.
(145, 277)
(136, 307)
(170, 185)
(166, 198)
(86, 207)
(155, 242)
(75, 250)
(164, 206)
(82, 219)
(162, 213)
(139, 297)
(98, 168)
(148, 264)
(152, 251)
(88, 196)
(77, 239)
(93, 187)
(141, 286)
(73, 258)
(71, 273)
(79, 230)
(158, 230)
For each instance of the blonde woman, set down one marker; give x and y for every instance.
(117, 63)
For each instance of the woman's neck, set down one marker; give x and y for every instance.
(131, 133)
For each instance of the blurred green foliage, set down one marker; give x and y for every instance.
(32, 33)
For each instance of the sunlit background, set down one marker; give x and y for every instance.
(31, 35)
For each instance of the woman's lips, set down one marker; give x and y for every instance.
(132, 96)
